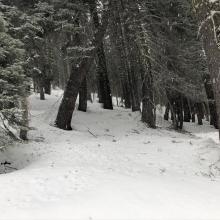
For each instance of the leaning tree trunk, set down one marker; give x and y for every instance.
(83, 96)
(67, 106)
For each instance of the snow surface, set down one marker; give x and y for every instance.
(111, 166)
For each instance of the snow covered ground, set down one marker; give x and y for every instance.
(111, 166)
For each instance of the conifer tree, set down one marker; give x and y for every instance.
(13, 81)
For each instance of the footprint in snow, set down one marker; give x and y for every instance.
(39, 139)
(118, 115)
(162, 170)
(176, 142)
(135, 131)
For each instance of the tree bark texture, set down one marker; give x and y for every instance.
(102, 73)
(78, 74)
(83, 96)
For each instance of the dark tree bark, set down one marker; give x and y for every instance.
(41, 88)
(131, 56)
(213, 115)
(200, 114)
(118, 40)
(35, 85)
(211, 102)
(47, 86)
(178, 112)
(176, 106)
(102, 73)
(83, 96)
(89, 95)
(67, 106)
(193, 114)
(148, 108)
(25, 122)
(186, 109)
(126, 94)
(167, 111)
(135, 102)
(206, 111)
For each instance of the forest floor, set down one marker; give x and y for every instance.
(111, 166)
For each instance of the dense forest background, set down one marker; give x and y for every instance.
(143, 52)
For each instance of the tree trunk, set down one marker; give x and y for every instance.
(83, 96)
(102, 73)
(24, 128)
(200, 113)
(42, 92)
(193, 114)
(148, 108)
(166, 114)
(213, 115)
(126, 94)
(135, 103)
(89, 95)
(186, 109)
(211, 101)
(47, 86)
(67, 106)
(176, 106)
(118, 39)
(206, 111)
(178, 112)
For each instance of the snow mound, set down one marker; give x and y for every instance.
(209, 157)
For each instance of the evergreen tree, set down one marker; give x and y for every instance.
(13, 81)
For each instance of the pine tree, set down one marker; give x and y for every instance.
(209, 20)
(13, 81)
(78, 74)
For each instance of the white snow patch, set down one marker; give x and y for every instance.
(111, 166)
(209, 155)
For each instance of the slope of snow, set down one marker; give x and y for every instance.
(111, 166)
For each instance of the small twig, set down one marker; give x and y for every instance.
(92, 134)
(11, 167)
